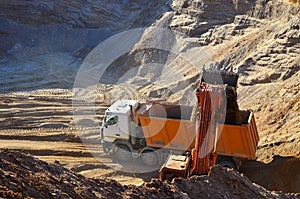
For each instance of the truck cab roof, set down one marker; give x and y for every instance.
(122, 106)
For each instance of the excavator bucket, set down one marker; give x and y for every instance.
(220, 77)
(175, 166)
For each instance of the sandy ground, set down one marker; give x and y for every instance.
(40, 123)
(58, 140)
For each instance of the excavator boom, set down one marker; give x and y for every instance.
(223, 132)
(211, 100)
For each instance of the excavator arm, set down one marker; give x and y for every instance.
(210, 100)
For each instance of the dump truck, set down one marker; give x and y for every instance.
(218, 141)
(156, 132)
(147, 130)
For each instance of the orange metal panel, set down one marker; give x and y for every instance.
(234, 140)
(168, 133)
(239, 141)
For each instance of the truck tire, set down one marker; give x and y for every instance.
(123, 153)
(227, 162)
(149, 158)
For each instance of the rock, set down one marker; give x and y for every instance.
(196, 17)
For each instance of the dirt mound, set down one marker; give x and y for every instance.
(23, 176)
(224, 183)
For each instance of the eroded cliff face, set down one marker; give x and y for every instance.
(196, 17)
(115, 15)
(50, 39)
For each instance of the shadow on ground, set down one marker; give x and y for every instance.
(282, 174)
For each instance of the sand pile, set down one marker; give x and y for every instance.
(24, 176)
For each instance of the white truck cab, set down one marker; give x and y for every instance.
(116, 122)
(122, 132)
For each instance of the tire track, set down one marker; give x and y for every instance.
(40, 109)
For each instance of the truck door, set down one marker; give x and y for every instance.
(111, 128)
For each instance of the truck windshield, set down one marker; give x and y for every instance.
(111, 120)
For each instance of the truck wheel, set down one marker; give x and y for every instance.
(123, 153)
(228, 164)
(227, 161)
(149, 158)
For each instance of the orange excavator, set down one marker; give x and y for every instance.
(225, 135)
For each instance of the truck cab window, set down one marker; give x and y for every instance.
(111, 120)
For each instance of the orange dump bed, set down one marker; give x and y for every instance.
(178, 134)
(168, 133)
(238, 140)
